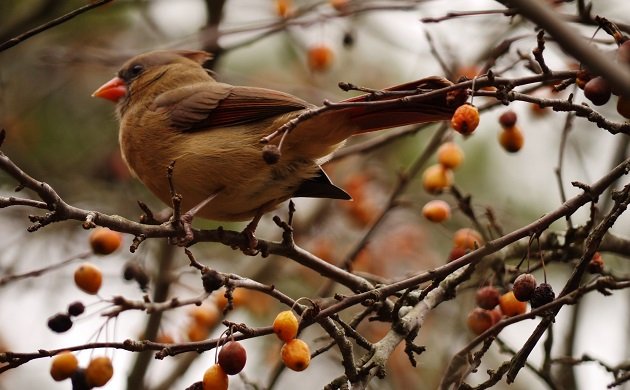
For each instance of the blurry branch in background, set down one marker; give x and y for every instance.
(55, 22)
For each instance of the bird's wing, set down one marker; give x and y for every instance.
(211, 104)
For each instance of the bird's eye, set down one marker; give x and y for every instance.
(136, 70)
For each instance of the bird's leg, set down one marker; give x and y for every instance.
(186, 220)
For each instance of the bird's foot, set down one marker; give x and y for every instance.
(250, 242)
(187, 235)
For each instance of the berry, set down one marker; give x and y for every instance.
(232, 357)
(510, 306)
(60, 323)
(508, 119)
(467, 238)
(524, 286)
(88, 278)
(76, 308)
(456, 253)
(215, 378)
(583, 77)
(339, 5)
(450, 155)
(134, 271)
(598, 91)
(104, 241)
(436, 211)
(465, 119)
(99, 371)
(496, 314)
(206, 315)
(63, 366)
(511, 139)
(196, 332)
(623, 53)
(487, 297)
(284, 8)
(286, 325)
(596, 265)
(436, 178)
(479, 320)
(78, 380)
(271, 154)
(296, 355)
(623, 106)
(542, 295)
(320, 58)
(164, 338)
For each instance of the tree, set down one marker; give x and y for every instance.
(380, 291)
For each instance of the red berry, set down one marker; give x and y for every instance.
(232, 357)
(598, 91)
(508, 119)
(596, 265)
(524, 287)
(479, 320)
(487, 297)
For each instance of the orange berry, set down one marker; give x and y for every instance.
(465, 119)
(511, 139)
(284, 8)
(436, 211)
(596, 265)
(196, 332)
(296, 355)
(286, 325)
(339, 5)
(63, 366)
(104, 241)
(88, 278)
(479, 320)
(232, 357)
(467, 238)
(496, 314)
(450, 155)
(215, 378)
(436, 178)
(456, 253)
(320, 58)
(510, 306)
(164, 338)
(99, 371)
(205, 315)
(583, 77)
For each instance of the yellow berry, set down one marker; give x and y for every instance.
(436, 178)
(284, 8)
(436, 211)
(215, 378)
(286, 325)
(104, 241)
(63, 366)
(296, 355)
(465, 119)
(99, 371)
(88, 278)
(450, 155)
(206, 315)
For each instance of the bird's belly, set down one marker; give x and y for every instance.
(237, 178)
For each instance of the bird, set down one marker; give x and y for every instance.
(172, 110)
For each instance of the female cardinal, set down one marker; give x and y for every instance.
(171, 110)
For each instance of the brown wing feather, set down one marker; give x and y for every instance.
(210, 104)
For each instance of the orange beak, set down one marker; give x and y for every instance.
(112, 90)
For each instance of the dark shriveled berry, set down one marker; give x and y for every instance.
(487, 297)
(524, 287)
(76, 308)
(78, 380)
(60, 323)
(542, 295)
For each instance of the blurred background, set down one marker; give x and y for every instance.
(57, 133)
